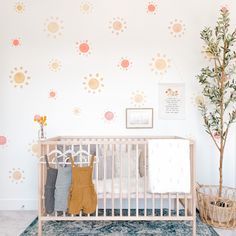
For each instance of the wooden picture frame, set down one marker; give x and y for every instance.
(139, 118)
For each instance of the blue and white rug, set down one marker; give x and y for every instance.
(120, 228)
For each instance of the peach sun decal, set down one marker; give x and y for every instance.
(83, 47)
(151, 8)
(177, 28)
(54, 65)
(76, 111)
(117, 25)
(124, 63)
(53, 26)
(160, 64)
(93, 83)
(108, 116)
(16, 175)
(19, 7)
(197, 99)
(86, 7)
(138, 98)
(19, 77)
(34, 148)
(52, 94)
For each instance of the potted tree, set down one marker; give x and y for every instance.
(217, 204)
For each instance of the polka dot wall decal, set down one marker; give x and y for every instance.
(108, 116)
(16, 42)
(86, 7)
(93, 83)
(76, 111)
(53, 27)
(138, 98)
(34, 148)
(177, 28)
(19, 77)
(117, 25)
(54, 65)
(3, 140)
(160, 64)
(124, 64)
(16, 175)
(19, 7)
(151, 8)
(52, 94)
(83, 47)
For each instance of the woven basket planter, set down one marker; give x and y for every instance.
(217, 211)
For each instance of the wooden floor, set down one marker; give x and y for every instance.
(13, 223)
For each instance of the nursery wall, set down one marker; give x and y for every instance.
(82, 63)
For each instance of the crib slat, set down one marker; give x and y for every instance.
(177, 204)
(112, 171)
(185, 205)
(97, 156)
(169, 205)
(104, 179)
(128, 178)
(145, 179)
(137, 172)
(161, 200)
(121, 160)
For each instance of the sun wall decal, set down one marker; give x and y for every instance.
(19, 77)
(52, 94)
(86, 7)
(19, 7)
(34, 148)
(16, 175)
(197, 99)
(3, 141)
(76, 111)
(138, 98)
(54, 65)
(124, 63)
(160, 64)
(16, 42)
(151, 8)
(117, 25)
(177, 28)
(93, 83)
(53, 26)
(108, 116)
(83, 48)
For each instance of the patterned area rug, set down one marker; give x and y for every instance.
(120, 228)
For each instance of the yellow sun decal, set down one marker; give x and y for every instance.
(86, 7)
(83, 47)
(52, 94)
(151, 8)
(117, 25)
(93, 83)
(53, 26)
(108, 116)
(160, 64)
(19, 7)
(177, 28)
(16, 175)
(54, 65)
(207, 55)
(76, 111)
(138, 98)
(19, 77)
(124, 63)
(34, 148)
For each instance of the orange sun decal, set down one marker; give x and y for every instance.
(34, 148)
(93, 83)
(124, 64)
(108, 116)
(151, 8)
(138, 98)
(16, 175)
(117, 25)
(19, 7)
(19, 77)
(160, 64)
(177, 28)
(54, 65)
(76, 111)
(53, 26)
(16, 42)
(83, 47)
(86, 7)
(52, 94)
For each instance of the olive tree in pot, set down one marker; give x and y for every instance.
(217, 204)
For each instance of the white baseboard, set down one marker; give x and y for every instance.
(18, 204)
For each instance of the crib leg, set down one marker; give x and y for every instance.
(194, 227)
(40, 227)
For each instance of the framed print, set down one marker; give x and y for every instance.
(139, 118)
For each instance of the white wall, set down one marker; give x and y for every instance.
(146, 35)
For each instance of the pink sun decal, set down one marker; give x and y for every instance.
(83, 47)
(151, 8)
(108, 116)
(52, 94)
(3, 140)
(124, 64)
(16, 42)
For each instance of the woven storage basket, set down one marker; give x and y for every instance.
(217, 211)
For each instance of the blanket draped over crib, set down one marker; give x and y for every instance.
(168, 165)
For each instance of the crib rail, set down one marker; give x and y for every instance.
(120, 177)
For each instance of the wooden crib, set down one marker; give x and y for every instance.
(122, 196)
